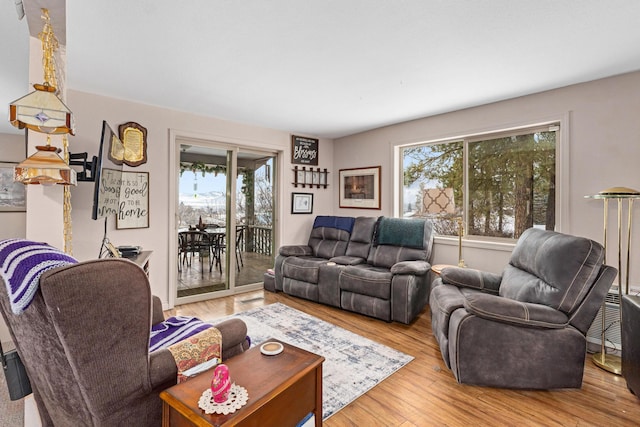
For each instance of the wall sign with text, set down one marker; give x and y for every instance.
(304, 151)
(133, 211)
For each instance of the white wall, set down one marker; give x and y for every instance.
(91, 109)
(12, 224)
(603, 151)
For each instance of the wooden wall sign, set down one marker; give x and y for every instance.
(133, 211)
(133, 138)
(304, 151)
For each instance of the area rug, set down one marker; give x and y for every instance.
(353, 364)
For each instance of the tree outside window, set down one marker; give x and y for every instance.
(509, 182)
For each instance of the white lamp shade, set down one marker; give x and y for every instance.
(41, 111)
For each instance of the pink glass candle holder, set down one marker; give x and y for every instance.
(220, 384)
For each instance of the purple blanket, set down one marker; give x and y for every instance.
(175, 329)
(22, 262)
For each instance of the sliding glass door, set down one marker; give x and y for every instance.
(225, 219)
(255, 213)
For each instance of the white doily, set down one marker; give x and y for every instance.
(238, 396)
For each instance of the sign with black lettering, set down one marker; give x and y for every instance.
(133, 209)
(304, 151)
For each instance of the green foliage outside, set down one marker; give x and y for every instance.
(511, 183)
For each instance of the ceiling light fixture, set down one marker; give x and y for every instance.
(41, 110)
(45, 167)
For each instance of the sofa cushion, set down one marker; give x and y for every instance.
(302, 268)
(328, 242)
(361, 237)
(395, 240)
(552, 269)
(368, 280)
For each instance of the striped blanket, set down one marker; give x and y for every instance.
(22, 262)
(175, 329)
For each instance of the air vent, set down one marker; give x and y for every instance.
(612, 297)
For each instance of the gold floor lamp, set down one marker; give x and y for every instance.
(605, 361)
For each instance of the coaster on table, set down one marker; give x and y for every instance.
(238, 397)
(271, 348)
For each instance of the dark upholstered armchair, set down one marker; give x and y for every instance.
(526, 327)
(84, 341)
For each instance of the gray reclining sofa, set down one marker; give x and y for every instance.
(379, 267)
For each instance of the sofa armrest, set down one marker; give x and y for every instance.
(295, 250)
(348, 260)
(234, 337)
(471, 278)
(417, 268)
(163, 371)
(500, 309)
(157, 314)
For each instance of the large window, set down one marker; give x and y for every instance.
(494, 185)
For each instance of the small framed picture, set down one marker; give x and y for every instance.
(301, 203)
(13, 196)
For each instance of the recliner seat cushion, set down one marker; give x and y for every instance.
(367, 280)
(304, 269)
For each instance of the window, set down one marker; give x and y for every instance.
(495, 185)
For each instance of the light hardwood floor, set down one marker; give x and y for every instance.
(425, 393)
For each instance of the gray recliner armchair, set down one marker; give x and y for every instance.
(84, 341)
(525, 328)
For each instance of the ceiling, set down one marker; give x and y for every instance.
(328, 68)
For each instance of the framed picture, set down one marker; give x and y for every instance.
(13, 197)
(134, 201)
(360, 188)
(301, 203)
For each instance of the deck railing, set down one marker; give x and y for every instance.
(258, 239)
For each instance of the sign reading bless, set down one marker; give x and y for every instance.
(304, 151)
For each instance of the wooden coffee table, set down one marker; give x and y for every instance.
(282, 390)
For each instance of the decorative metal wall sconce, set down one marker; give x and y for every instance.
(310, 177)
